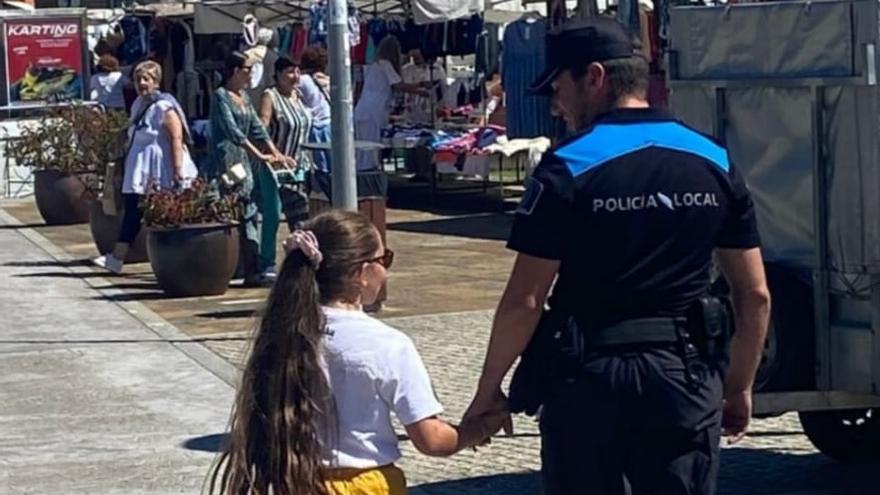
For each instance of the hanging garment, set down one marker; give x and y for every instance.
(411, 36)
(135, 46)
(434, 40)
(523, 59)
(319, 23)
(300, 42)
(628, 15)
(359, 51)
(354, 25)
(378, 30)
(463, 36)
(432, 11)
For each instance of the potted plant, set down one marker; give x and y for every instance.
(68, 149)
(192, 239)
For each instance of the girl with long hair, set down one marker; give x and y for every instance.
(313, 412)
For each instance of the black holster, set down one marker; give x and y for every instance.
(543, 362)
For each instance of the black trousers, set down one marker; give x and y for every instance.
(631, 424)
(131, 218)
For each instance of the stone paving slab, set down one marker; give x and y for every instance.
(91, 400)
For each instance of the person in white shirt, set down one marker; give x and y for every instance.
(313, 413)
(373, 109)
(421, 109)
(106, 86)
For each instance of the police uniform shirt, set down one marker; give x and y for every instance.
(632, 208)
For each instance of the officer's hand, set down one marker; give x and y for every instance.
(477, 431)
(489, 402)
(736, 415)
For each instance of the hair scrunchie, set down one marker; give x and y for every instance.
(305, 241)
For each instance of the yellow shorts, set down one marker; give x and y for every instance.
(384, 480)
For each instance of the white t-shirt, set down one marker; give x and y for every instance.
(374, 371)
(106, 89)
(377, 95)
(418, 108)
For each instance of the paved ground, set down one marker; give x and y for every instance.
(91, 400)
(447, 277)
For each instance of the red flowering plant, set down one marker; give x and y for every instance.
(199, 204)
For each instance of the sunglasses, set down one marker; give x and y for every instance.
(385, 260)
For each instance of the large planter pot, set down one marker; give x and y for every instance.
(105, 232)
(62, 198)
(195, 260)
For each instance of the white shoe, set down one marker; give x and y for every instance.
(109, 262)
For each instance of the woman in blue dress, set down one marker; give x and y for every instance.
(239, 138)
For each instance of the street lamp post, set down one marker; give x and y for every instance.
(344, 185)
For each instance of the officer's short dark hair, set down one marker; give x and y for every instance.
(626, 76)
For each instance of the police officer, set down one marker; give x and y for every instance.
(625, 217)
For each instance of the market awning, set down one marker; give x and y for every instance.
(226, 16)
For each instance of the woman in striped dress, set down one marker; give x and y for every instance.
(289, 122)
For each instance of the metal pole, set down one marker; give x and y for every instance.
(341, 126)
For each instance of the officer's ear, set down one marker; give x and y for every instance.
(596, 76)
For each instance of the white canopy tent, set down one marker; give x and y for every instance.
(225, 16)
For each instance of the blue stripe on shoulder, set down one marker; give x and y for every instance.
(609, 141)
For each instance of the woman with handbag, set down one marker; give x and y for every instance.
(157, 156)
(239, 141)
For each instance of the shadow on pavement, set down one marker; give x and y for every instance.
(209, 443)
(767, 472)
(49, 263)
(61, 275)
(221, 315)
(743, 471)
(153, 286)
(507, 484)
(140, 296)
(25, 226)
(486, 226)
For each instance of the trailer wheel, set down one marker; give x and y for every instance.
(787, 363)
(849, 435)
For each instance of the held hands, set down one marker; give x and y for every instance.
(476, 431)
(490, 408)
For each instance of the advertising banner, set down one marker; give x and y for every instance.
(44, 59)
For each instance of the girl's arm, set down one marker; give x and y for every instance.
(435, 437)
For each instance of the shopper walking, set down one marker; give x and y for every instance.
(157, 156)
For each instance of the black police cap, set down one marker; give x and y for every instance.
(578, 43)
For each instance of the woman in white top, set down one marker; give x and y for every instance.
(105, 87)
(313, 413)
(157, 155)
(373, 109)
